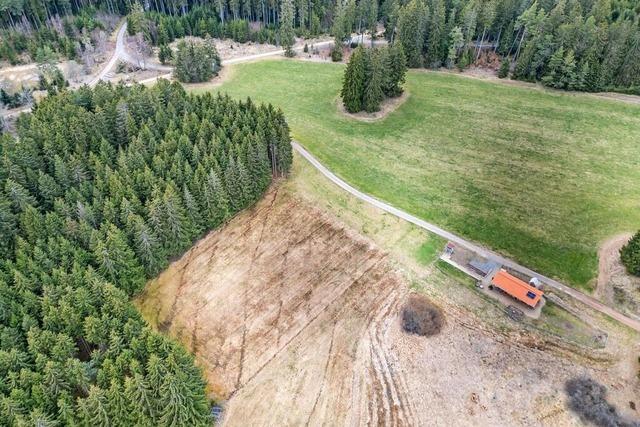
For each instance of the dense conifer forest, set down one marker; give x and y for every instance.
(98, 190)
(589, 45)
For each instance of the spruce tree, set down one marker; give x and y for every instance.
(215, 200)
(505, 65)
(411, 30)
(117, 262)
(396, 70)
(353, 85)
(554, 74)
(373, 94)
(436, 34)
(287, 36)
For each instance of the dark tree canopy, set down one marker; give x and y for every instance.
(588, 45)
(630, 255)
(98, 191)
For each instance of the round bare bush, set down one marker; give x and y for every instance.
(421, 317)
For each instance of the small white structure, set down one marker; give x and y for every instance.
(536, 283)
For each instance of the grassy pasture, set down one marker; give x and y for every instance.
(540, 176)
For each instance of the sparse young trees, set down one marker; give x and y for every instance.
(372, 74)
(165, 54)
(505, 66)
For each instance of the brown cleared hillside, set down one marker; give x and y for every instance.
(295, 320)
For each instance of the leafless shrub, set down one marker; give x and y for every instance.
(56, 23)
(588, 399)
(421, 317)
(141, 50)
(87, 57)
(74, 72)
(100, 42)
(108, 20)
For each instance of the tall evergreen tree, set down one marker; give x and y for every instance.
(354, 84)
(411, 31)
(396, 70)
(287, 37)
(373, 94)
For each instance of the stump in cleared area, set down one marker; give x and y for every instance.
(421, 317)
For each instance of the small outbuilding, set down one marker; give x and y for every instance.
(516, 288)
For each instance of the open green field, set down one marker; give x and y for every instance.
(540, 176)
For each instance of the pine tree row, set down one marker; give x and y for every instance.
(100, 188)
(371, 75)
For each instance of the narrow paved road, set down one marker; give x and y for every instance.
(586, 299)
(114, 57)
(122, 54)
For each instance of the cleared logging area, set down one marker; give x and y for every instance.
(296, 319)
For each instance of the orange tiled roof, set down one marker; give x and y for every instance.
(517, 288)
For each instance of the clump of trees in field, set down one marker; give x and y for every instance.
(371, 75)
(196, 61)
(630, 255)
(100, 188)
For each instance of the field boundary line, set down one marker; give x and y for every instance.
(487, 253)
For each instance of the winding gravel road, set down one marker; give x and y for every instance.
(586, 299)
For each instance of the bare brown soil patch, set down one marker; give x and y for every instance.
(277, 274)
(295, 320)
(387, 106)
(615, 286)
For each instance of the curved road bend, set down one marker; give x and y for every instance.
(586, 299)
(118, 51)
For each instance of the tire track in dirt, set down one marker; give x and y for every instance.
(294, 299)
(324, 376)
(389, 385)
(304, 327)
(245, 292)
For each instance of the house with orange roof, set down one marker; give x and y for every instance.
(516, 288)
